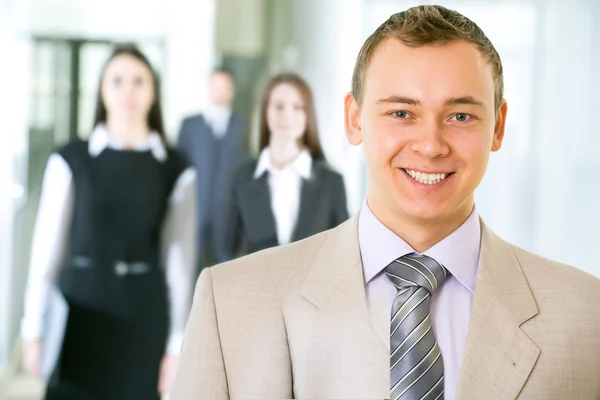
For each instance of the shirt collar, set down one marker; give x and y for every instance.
(100, 139)
(458, 252)
(301, 165)
(217, 112)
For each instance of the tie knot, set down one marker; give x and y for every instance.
(416, 270)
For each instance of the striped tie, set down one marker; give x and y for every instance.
(416, 365)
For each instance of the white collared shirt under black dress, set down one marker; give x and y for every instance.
(114, 234)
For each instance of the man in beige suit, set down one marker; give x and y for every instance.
(414, 298)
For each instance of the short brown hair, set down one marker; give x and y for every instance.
(311, 134)
(428, 25)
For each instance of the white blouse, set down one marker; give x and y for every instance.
(285, 186)
(50, 239)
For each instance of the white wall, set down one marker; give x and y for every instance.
(13, 106)
(107, 18)
(326, 37)
(568, 142)
(240, 27)
(190, 56)
(185, 28)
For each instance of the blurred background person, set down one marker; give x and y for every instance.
(213, 144)
(111, 232)
(289, 192)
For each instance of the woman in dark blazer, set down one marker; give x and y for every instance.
(289, 192)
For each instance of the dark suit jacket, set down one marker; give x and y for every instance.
(251, 223)
(214, 160)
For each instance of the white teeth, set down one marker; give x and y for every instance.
(427, 179)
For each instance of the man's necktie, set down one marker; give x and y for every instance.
(416, 365)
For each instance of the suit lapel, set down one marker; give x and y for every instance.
(499, 356)
(309, 197)
(337, 275)
(335, 286)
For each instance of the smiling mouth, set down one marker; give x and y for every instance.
(427, 179)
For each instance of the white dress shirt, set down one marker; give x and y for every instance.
(450, 304)
(218, 119)
(51, 232)
(285, 187)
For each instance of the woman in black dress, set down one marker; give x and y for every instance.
(114, 234)
(289, 192)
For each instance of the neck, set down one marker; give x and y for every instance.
(219, 106)
(283, 152)
(130, 133)
(419, 234)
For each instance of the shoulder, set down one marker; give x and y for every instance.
(237, 119)
(245, 171)
(276, 272)
(193, 119)
(73, 146)
(325, 172)
(559, 289)
(72, 151)
(176, 158)
(543, 271)
(176, 164)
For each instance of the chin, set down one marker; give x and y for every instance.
(425, 215)
(130, 114)
(423, 210)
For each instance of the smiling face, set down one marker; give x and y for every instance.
(427, 123)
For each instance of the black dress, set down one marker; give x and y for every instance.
(112, 278)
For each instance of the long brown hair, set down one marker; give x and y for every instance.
(310, 139)
(155, 120)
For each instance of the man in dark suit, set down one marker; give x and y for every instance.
(213, 142)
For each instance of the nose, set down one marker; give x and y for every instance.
(287, 114)
(129, 88)
(430, 142)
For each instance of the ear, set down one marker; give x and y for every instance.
(499, 127)
(352, 120)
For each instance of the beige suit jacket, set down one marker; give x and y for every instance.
(293, 322)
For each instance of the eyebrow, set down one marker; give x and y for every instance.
(399, 100)
(467, 100)
(453, 101)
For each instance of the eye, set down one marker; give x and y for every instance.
(462, 117)
(117, 80)
(400, 114)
